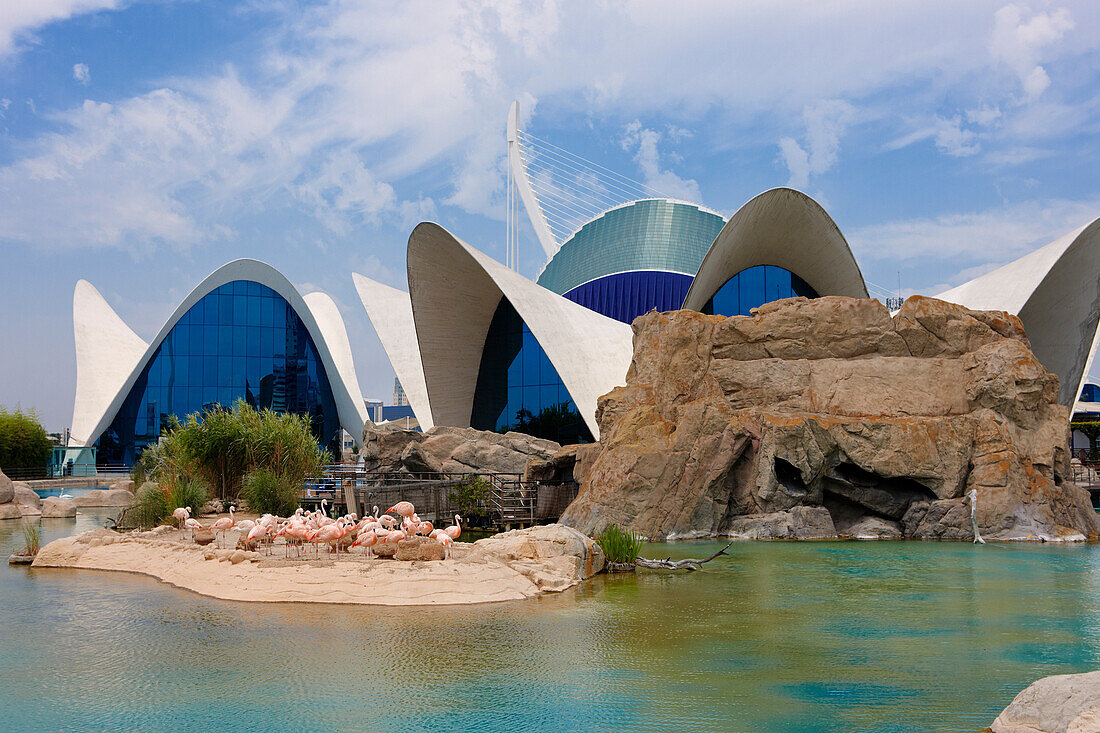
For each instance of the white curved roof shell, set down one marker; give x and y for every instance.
(110, 357)
(455, 290)
(1055, 291)
(390, 312)
(785, 228)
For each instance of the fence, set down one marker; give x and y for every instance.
(503, 499)
(77, 470)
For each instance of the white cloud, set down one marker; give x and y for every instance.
(643, 143)
(1019, 38)
(984, 115)
(81, 74)
(1000, 234)
(19, 18)
(825, 122)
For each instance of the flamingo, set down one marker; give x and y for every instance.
(387, 521)
(425, 528)
(181, 515)
(257, 533)
(447, 542)
(366, 539)
(224, 524)
(455, 529)
(403, 508)
(193, 525)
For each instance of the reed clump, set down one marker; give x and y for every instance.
(620, 546)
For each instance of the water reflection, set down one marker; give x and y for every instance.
(779, 636)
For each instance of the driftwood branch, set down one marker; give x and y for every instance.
(686, 564)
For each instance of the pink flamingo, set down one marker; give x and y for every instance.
(366, 539)
(425, 528)
(181, 515)
(403, 508)
(256, 534)
(455, 529)
(223, 525)
(193, 525)
(447, 543)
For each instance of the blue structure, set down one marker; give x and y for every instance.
(240, 341)
(633, 258)
(1090, 393)
(754, 286)
(519, 389)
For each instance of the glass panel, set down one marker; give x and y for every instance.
(755, 286)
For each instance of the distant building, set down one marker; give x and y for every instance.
(374, 410)
(244, 333)
(400, 399)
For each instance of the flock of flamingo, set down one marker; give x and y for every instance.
(317, 529)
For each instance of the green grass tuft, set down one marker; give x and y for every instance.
(620, 545)
(268, 492)
(32, 537)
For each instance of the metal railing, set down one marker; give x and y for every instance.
(78, 470)
(502, 498)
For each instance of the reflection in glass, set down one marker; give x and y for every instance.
(755, 286)
(240, 341)
(519, 389)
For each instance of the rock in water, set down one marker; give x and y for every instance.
(453, 450)
(878, 424)
(7, 489)
(55, 507)
(1064, 703)
(10, 511)
(26, 496)
(124, 484)
(105, 497)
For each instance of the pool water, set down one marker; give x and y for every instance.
(777, 637)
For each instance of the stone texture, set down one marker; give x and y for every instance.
(124, 484)
(452, 450)
(883, 423)
(105, 497)
(1065, 703)
(419, 548)
(26, 496)
(55, 507)
(798, 523)
(203, 537)
(10, 511)
(7, 489)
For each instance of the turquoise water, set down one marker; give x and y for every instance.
(777, 637)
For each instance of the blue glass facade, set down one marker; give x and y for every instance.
(240, 341)
(627, 295)
(519, 389)
(754, 286)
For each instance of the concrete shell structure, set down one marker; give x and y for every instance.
(1055, 291)
(455, 291)
(390, 312)
(111, 357)
(784, 228)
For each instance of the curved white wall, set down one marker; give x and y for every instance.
(785, 228)
(390, 312)
(320, 317)
(455, 290)
(1055, 291)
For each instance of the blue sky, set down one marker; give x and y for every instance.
(143, 144)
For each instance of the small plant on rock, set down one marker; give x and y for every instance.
(32, 537)
(620, 546)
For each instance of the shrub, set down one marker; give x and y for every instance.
(269, 492)
(619, 545)
(471, 498)
(150, 506)
(24, 445)
(32, 538)
(186, 493)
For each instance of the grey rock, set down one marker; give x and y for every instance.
(10, 511)
(56, 507)
(105, 497)
(1064, 703)
(453, 450)
(832, 403)
(26, 496)
(124, 484)
(7, 489)
(798, 523)
(872, 528)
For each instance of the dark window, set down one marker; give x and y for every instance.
(519, 389)
(240, 341)
(755, 286)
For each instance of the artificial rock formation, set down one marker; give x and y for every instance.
(54, 507)
(105, 498)
(826, 417)
(452, 450)
(1064, 703)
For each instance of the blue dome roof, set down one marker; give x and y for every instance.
(652, 234)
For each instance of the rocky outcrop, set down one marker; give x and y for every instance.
(727, 425)
(552, 556)
(1064, 703)
(56, 507)
(419, 548)
(10, 511)
(105, 498)
(452, 450)
(25, 496)
(7, 489)
(124, 484)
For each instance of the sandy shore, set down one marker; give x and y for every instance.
(509, 566)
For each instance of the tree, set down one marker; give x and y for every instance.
(24, 445)
(1091, 430)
